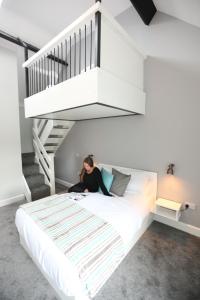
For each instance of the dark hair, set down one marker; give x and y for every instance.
(89, 160)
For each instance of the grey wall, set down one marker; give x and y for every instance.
(169, 132)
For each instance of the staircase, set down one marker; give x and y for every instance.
(38, 167)
(34, 178)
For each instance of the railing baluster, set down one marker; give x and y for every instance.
(90, 44)
(54, 65)
(51, 70)
(62, 67)
(43, 74)
(47, 71)
(58, 80)
(36, 79)
(39, 77)
(70, 55)
(42, 82)
(45, 77)
(74, 54)
(79, 50)
(66, 58)
(33, 79)
(26, 72)
(97, 39)
(29, 81)
(85, 49)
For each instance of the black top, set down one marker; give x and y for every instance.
(94, 180)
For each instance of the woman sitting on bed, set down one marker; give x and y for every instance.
(90, 179)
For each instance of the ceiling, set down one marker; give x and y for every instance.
(53, 16)
(185, 10)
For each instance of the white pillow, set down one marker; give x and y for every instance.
(138, 182)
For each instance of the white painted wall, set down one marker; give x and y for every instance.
(127, 62)
(11, 183)
(21, 27)
(169, 132)
(25, 124)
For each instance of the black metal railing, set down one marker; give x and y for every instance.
(75, 54)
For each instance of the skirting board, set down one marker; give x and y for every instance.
(12, 200)
(63, 182)
(178, 225)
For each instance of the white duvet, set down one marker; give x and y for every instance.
(126, 214)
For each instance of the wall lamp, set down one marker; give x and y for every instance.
(170, 169)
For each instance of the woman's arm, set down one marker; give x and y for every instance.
(100, 182)
(81, 174)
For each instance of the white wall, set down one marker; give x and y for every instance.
(169, 132)
(10, 151)
(21, 27)
(25, 124)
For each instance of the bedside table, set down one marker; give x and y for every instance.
(168, 208)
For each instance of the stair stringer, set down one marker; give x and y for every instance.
(47, 138)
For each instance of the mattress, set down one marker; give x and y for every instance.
(125, 214)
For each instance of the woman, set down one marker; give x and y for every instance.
(90, 179)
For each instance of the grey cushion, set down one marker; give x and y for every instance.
(120, 182)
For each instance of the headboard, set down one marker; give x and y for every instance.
(141, 181)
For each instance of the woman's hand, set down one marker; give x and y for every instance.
(86, 191)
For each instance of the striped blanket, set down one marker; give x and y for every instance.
(92, 245)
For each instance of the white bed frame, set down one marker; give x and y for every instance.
(146, 223)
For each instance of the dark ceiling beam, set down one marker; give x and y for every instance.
(17, 41)
(21, 43)
(146, 9)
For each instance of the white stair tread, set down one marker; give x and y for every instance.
(59, 131)
(51, 148)
(63, 123)
(54, 140)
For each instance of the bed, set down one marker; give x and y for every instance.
(126, 219)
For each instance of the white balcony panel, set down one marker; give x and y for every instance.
(94, 94)
(77, 91)
(119, 56)
(116, 92)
